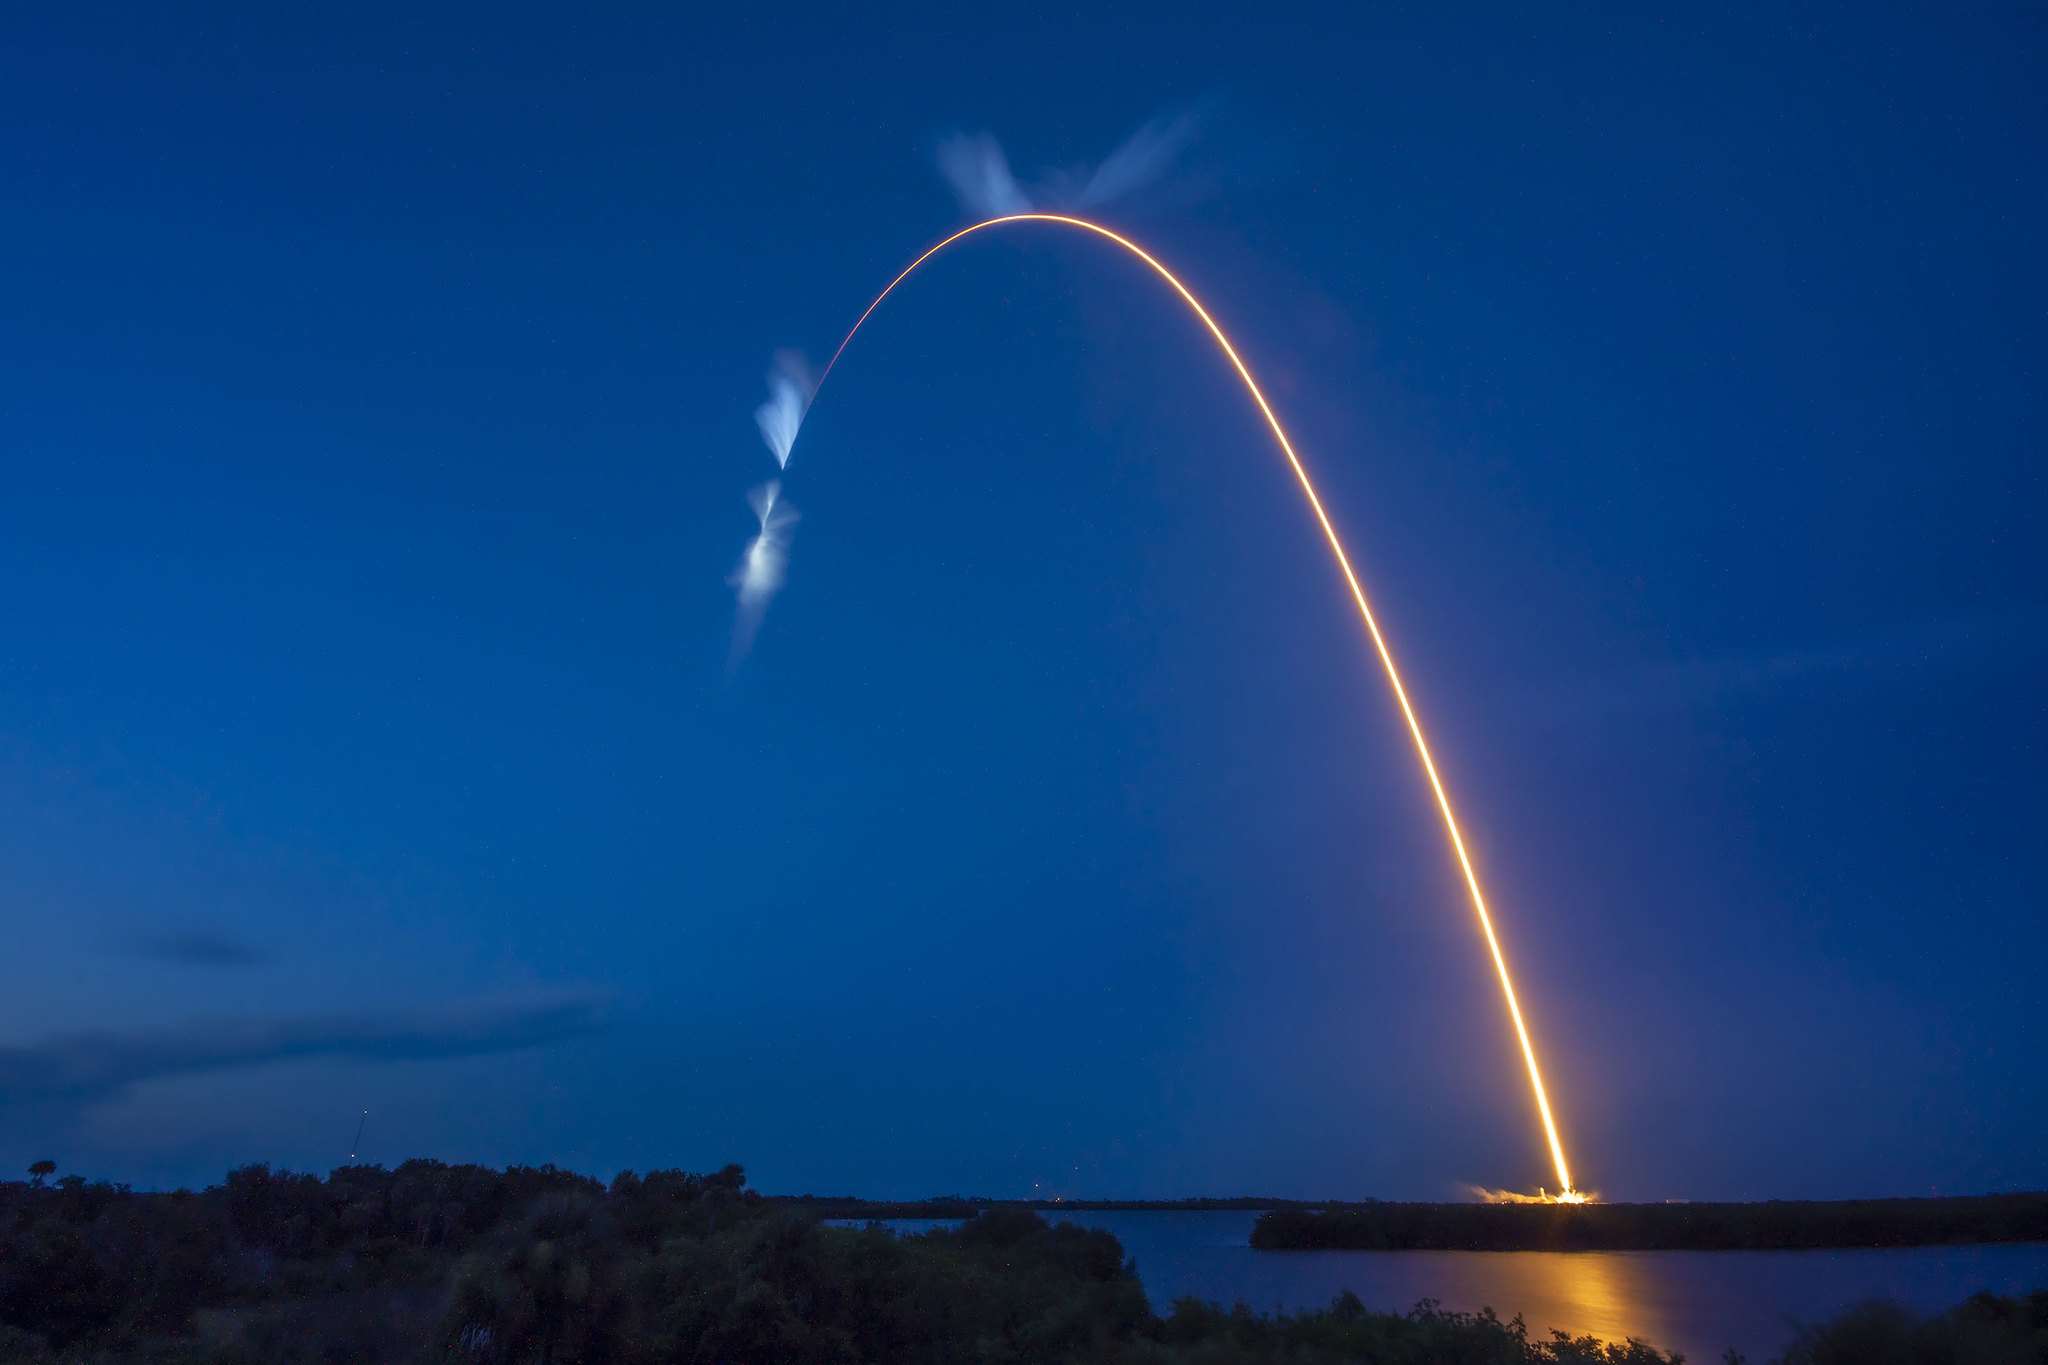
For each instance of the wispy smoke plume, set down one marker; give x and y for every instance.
(790, 386)
(1142, 161)
(980, 174)
(762, 568)
(760, 573)
(1487, 1196)
(975, 166)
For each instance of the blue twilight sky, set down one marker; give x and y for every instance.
(377, 394)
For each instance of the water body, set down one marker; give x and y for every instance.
(1698, 1302)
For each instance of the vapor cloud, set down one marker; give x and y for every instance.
(975, 166)
(1492, 1196)
(790, 387)
(85, 1067)
(1142, 161)
(764, 566)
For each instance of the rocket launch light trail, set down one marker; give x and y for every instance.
(1569, 1193)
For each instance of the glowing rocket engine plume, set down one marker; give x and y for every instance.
(1569, 1193)
(762, 568)
(1486, 1196)
(790, 387)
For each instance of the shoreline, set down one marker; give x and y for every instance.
(1772, 1225)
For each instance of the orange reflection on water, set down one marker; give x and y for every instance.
(1606, 1294)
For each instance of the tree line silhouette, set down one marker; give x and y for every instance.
(539, 1266)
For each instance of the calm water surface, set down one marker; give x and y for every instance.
(1698, 1302)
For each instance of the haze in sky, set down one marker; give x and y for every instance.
(379, 396)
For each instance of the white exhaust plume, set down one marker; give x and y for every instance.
(1146, 157)
(974, 164)
(980, 174)
(790, 386)
(764, 566)
(1542, 1196)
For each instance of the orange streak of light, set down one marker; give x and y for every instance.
(1443, 800)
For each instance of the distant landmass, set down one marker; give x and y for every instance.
(964, 1206)
(1776, 1225)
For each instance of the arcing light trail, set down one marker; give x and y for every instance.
(1569, 1193)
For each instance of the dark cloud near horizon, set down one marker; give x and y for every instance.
(196, 948)
(84, 1067)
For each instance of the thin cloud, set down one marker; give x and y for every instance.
(1823, 666)
(85, 1067)
(196, 949)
